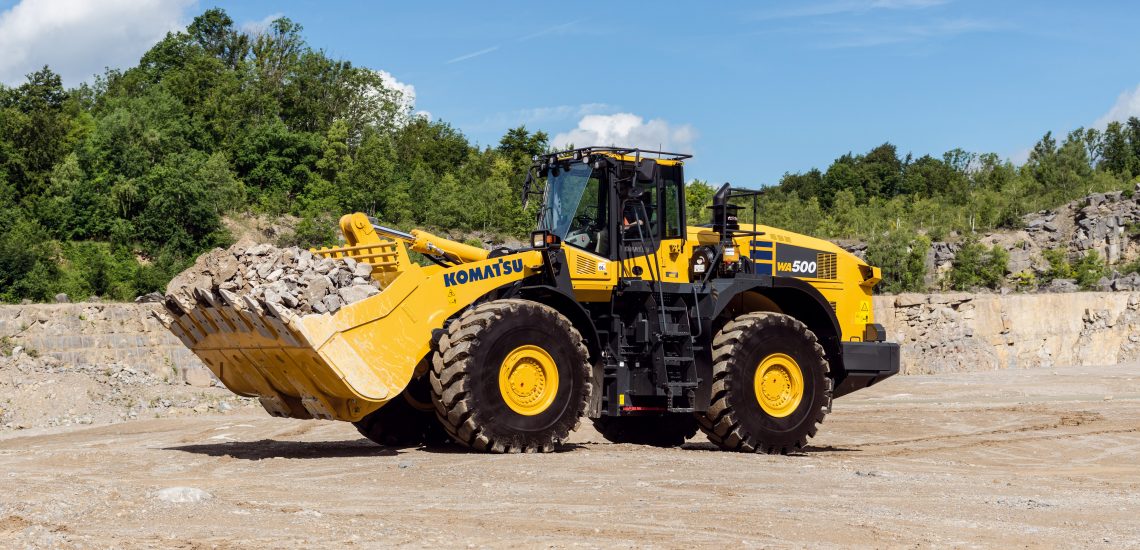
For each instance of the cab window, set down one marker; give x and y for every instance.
(670, 203)
(589, 224)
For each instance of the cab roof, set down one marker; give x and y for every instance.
(621, 153)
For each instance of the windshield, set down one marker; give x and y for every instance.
(562, 198)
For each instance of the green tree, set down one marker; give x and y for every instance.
(976, 265)
(698, 197)
(901, 256)
(28, 259)
(1059, 266)
(1117, 155)
(1089, 269)
(36, 130)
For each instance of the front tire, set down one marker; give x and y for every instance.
(770, 385)
(511, 376)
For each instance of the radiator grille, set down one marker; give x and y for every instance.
(825, 265)
(585, 266)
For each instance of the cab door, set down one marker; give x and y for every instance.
(653, 229)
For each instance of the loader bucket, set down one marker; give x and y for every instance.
(329, 366)
(346, 364)
(261, 350)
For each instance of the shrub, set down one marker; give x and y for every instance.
(902, 257)
(1059, 267)
(975, 266)
(1089, 269)
(1130, 267)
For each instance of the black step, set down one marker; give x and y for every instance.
(672, 389)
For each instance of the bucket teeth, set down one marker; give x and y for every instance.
(277, 311)
(203, 296)
(231, 299)
(180, 331)
(275, 406)
(174, 307)
(163, 316)
(278, 321)
(253, 306)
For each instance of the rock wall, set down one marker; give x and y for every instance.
(1105, 223)
(969, 332)
(938, 332)
(102, 333)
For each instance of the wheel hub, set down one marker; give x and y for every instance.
(528, 380)
(779, 385)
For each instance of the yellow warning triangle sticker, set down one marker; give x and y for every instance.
(864, 306)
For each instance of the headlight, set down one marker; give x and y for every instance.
(538, 240)
(543, 239)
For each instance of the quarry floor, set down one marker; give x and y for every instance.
(1028, 458)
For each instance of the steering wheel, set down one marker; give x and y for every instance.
(586, 223)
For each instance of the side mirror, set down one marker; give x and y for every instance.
(646, 170)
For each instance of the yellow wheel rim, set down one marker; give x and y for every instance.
(528, 380)
(779, 385)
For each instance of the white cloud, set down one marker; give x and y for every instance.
(79, 38)
(401, 93)
(262, 25)
(1127, 105)
(406, 92)
(628, 130)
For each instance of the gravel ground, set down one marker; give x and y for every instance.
(1030, 458)
(44, 392)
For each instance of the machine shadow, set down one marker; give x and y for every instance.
(809, 450)
(271, 448)
(452, 448)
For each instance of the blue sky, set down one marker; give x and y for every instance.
(753, 89)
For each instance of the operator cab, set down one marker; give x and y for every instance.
(593, 194)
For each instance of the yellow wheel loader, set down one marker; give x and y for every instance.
(616, 310)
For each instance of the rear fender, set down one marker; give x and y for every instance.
(788, 296)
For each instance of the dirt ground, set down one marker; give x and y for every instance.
(1032, 458)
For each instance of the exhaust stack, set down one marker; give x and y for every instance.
(724, 214)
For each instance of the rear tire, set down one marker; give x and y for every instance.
(659, 431)
(759, 361)
(511, 376)
(406, 421)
